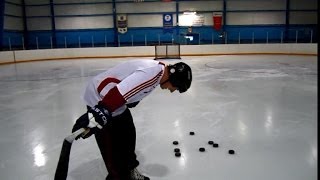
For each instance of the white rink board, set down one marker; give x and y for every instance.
(149, 51)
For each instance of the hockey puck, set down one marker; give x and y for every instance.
(210, 142)
(215, 145)
(191, 133)
(231, 151)
(177, 154)
(175, 142)
(176, 150)
(202, 149)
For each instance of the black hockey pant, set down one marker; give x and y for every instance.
(117, 142)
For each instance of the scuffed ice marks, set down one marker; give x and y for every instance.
(225, 68)
(225, 73)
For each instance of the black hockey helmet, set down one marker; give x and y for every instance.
(180, 76)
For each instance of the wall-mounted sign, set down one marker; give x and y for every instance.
(217, 21)
(122, 23)
(167, 22)
(191, 19)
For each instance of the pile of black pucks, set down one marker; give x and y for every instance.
(177, 152)
(216, 145)
(201, 149)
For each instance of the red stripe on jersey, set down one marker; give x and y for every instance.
(142, 86)
(113, 99)
(105, 82)
(134, 92)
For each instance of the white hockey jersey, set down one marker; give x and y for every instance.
(125, 83)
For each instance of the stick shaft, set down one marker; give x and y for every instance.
(63, 163)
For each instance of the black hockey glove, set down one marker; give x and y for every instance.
(100, 114)
(96, 118)
(82, 122)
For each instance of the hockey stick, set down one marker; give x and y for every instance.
(63, 163)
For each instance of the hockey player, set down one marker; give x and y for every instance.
(109, 96)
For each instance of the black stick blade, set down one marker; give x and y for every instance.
(63, 164)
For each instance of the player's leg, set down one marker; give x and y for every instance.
(129, 147)
(130, 138)
(104, 141)
(117, 146)
(124, 138)
(126, 142)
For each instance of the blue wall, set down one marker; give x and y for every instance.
(150, 36)
(66, 24)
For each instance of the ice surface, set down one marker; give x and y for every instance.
(263, 107)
